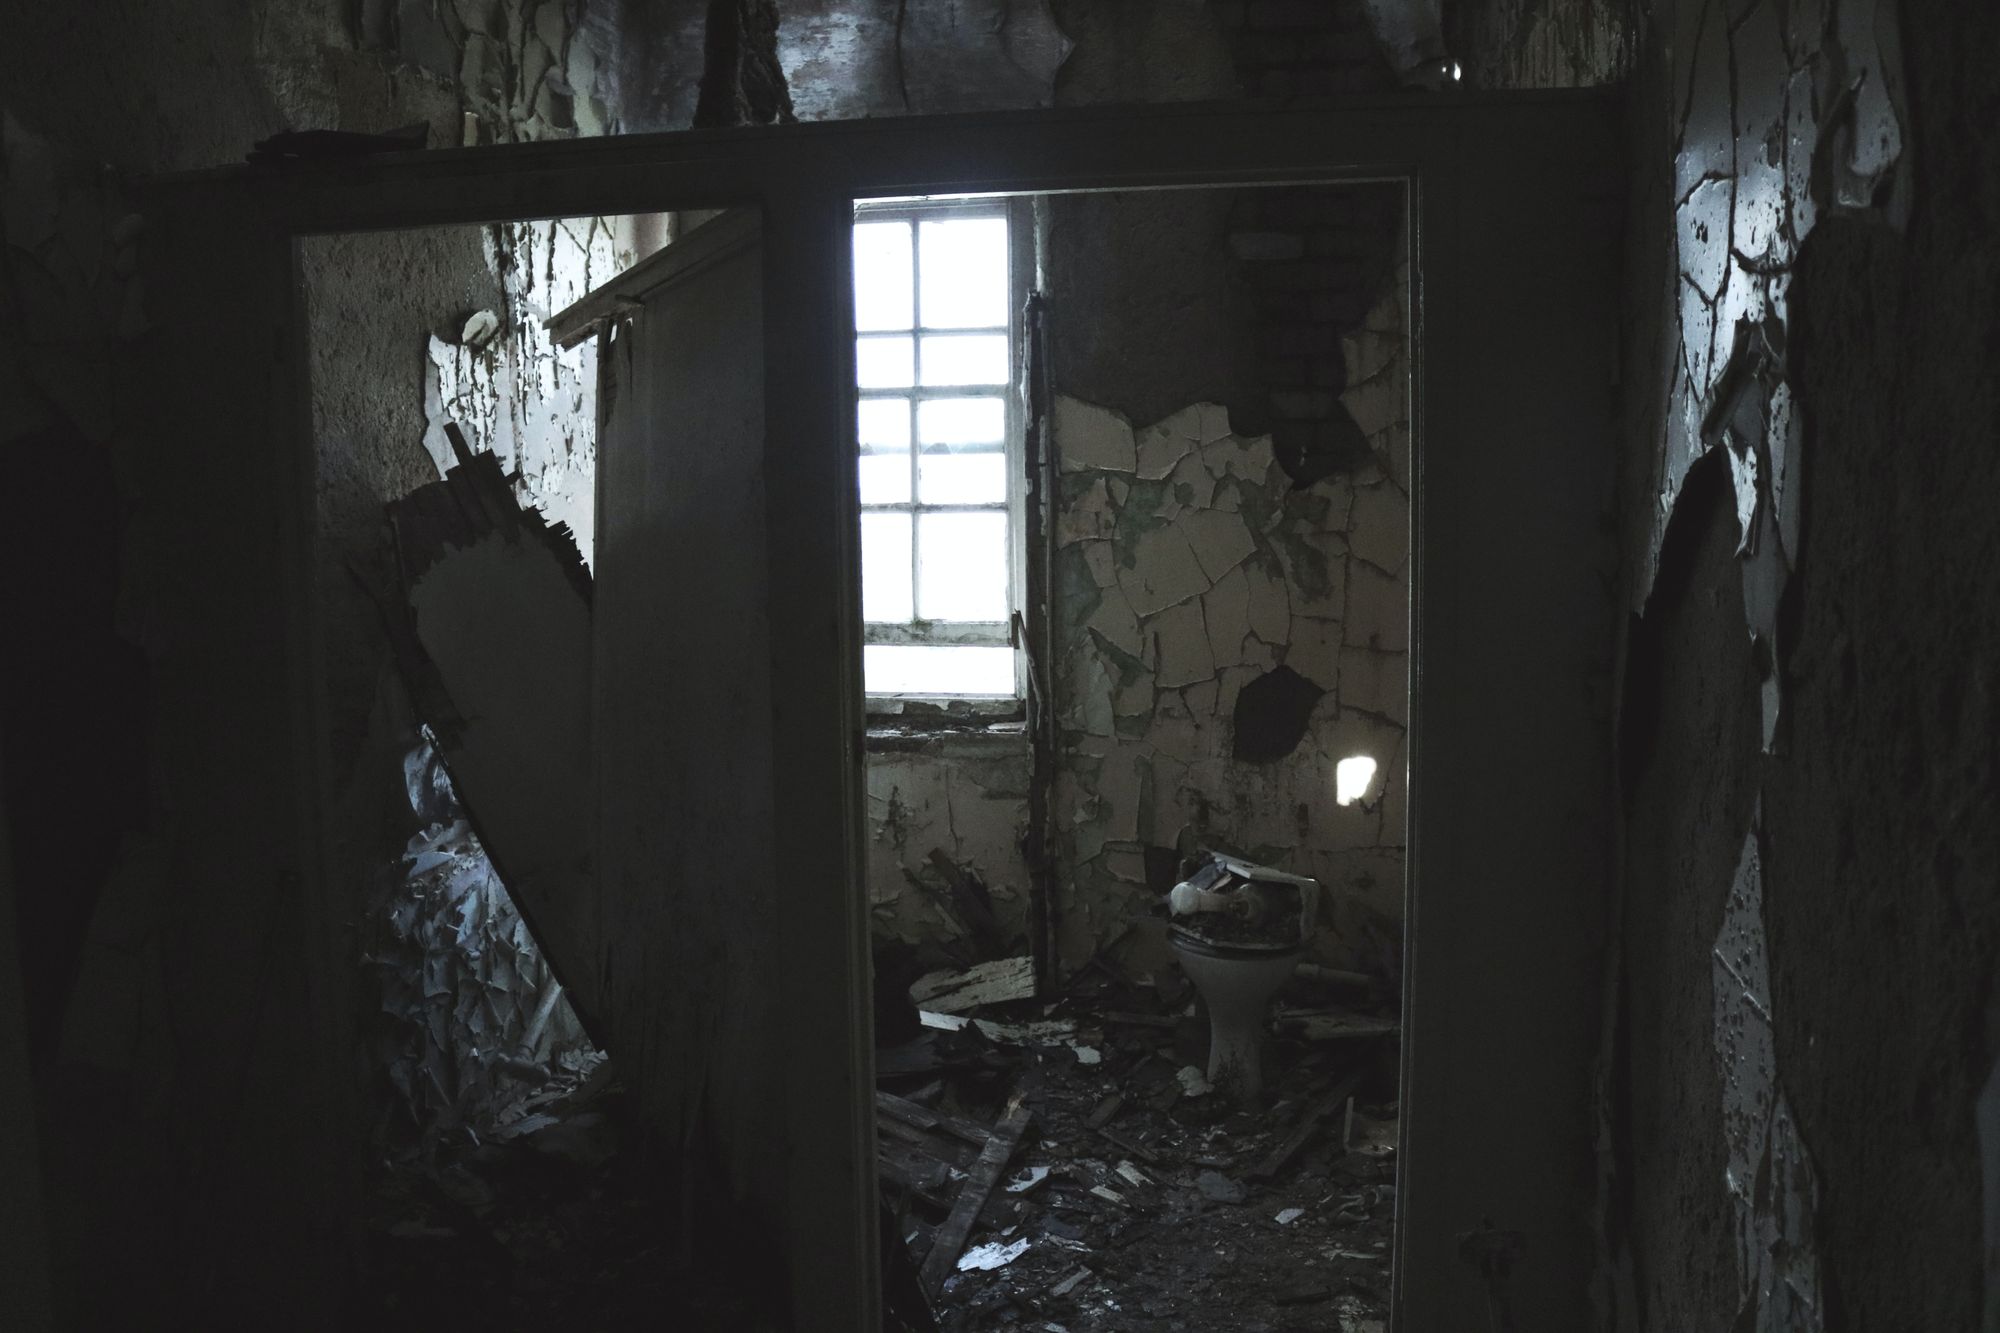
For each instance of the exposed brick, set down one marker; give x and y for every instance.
(1282, 305)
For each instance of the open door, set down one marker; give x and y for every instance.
(691, 910)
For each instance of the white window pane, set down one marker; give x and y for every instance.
(882, 363)
(882, 275)
(962, 358)
(962, 567)
(885, 480)
(961, 479)
(885, 567)
(964, 273)
(885, 423)
(961, 421)
(888, 668)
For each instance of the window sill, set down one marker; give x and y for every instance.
(908, 733)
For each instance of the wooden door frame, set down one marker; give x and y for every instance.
(1513, 272)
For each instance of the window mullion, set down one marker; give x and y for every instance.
(917, 379)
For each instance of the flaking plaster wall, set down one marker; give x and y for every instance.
(1188, 564)
(1797, 1034)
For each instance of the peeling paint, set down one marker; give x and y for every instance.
(506, 382)
(1769, 1174)
(1786, 111)
(1202, 549)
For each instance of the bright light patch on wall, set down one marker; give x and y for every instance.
(1351, 779)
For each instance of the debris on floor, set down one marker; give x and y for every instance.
(1058, 1166)
(546, 1220)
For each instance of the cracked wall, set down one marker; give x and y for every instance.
(962, 793)
(1796, 1148)
(1188, 563)
(1261, 544)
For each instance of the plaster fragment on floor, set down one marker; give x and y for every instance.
(1089, 436)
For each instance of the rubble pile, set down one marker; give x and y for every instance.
(1131, 1194)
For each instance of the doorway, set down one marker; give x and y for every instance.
(1191, 428)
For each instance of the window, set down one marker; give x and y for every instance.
(934, 372)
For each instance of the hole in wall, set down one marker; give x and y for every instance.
(1352, 777)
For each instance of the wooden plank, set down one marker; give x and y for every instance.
(1333, 1025)
(1308, 1123)
(996, 982)
(902, 1165)
(626, 293)
(909, 1113)
(972, 1196)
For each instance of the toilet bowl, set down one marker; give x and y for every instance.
(1237, 982)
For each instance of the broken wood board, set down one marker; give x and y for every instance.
(492, 635)
(1332, 1025)
(1308, 1124)
(996, 982)
(972, 1195)
(906, 1112)
(1048, 1032)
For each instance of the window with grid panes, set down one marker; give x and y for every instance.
(934, 369)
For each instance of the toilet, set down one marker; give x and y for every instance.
(1236, 981)
(1238, 930)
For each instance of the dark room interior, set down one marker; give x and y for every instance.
(1065, 665)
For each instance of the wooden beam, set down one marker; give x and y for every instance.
(979, 1182)
(1308, 1123)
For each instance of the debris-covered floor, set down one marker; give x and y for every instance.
(545, 1222)
(1137, 1196)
